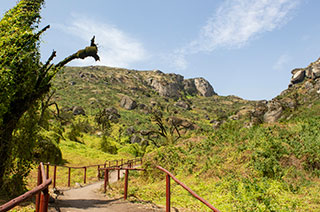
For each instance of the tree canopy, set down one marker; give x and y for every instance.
(24, 79)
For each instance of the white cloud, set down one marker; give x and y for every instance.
(116, 48)
(282, 62)
(236, 22)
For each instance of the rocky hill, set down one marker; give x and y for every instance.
(96, 88)
(240, 155)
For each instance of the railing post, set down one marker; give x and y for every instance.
(167, 193)
(106, 179)
(126, 185)
(39, 194)
(54, 176)
(118, 169)
(69, 175)
(98, 172)
(48, 170)
(85, 175)
(44, 200)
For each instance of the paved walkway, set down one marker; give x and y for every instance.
(90, 198)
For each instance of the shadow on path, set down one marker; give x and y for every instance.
(83, 203)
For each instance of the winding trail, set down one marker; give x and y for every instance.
(90, 198)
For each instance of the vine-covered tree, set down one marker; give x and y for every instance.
(24, 79)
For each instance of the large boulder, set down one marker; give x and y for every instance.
(298, 76)
(274, 112)
(165, 89)
(203, 87)
(127, 103)
(189, 87)
(315, 71)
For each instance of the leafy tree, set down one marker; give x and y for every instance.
(24, 80)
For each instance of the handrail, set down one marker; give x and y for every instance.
(40, 188)
(183, 186)
(44, 182)
(123, 162)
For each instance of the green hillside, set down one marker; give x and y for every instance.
(239, 155)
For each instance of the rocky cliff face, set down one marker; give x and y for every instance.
(303, 90)
(311, 72)
(172, 85)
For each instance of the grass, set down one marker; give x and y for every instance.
(266, 167)
(239, 169)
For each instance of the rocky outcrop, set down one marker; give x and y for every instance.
(164, 88)
(298, 76)
(203, 87)
(172, 85)
(189, 87)
(310, 72)
(274, 111)
(127, 103)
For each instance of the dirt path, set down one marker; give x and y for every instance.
(89, 198)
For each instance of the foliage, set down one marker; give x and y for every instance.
(108, 146)
(24, 81)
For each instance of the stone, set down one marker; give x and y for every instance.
(290, 103)
(183, 105)
(215, 124)
(245, 112)
(274, 111)
(111, 110)
(130, 130)
(294, 71)
(308, 85)
(78, 110)
(166, 89)
(127, 103)
(135, 139)
(315, 71)
(153, 103)
(298, 77)
(189, 87)
(142, 106)
(203, 87)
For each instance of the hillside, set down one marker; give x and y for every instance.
(240, 155)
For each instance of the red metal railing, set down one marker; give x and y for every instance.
(168, 194)
(113, 163)
(129, 164)
(43, 183)
(41, 191)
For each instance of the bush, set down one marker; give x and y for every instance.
(106, 145)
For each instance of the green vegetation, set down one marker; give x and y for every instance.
(24, 84)
(264, 168)
(220, 146)
(239, 164)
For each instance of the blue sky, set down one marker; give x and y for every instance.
(245, 48)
